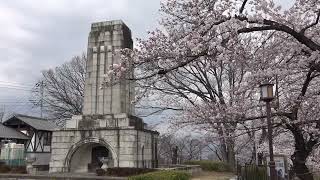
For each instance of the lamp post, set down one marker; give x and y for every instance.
(267, 96)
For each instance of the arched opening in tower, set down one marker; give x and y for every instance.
(89, 157)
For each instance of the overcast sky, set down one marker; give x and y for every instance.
(37, 35)
(42, 34)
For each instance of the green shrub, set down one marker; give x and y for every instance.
(206, 165)
(19, 170)
(163, 175)
(126, 171)
(100, 172)
(4, 168)
(15, 169)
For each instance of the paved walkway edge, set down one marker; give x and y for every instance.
(59, 177)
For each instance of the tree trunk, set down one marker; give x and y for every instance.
(302, 171)
(175, 155)
(223, 146)
(303, 149)
(224, 152)
(231, 155)
(300, 167)
(227, 149)
(260, 158)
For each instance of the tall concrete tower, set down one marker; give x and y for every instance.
(107, 132)
(104, 39)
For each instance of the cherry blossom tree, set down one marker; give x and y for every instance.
(238, 45)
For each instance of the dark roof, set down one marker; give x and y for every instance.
(35, 122)
(9, 133)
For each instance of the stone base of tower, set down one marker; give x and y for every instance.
(91, 141)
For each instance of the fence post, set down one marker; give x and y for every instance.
(245, 170)
(242, 173)
(268, 177)
(239, 173)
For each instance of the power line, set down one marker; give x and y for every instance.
(15, 85)
(21, 100)
(21, 84)
(17, 108)
(26, 104)
(41, 100)
(16, 99)
(15, 88)
(22, 104)
(9, 103)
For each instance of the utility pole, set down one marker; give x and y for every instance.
(200, 148)
(277, 93)
(255, 154)
(2, 113)
(41, 98)
(271, 162)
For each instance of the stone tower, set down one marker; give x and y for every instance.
(107, 132)
(104, 39)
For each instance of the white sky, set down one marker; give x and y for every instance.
(37, 35)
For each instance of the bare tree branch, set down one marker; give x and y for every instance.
(242, 6)
(311, 25)
(63, 89)
(272, 25)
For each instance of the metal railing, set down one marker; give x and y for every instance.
(12, 156)
(255, 172)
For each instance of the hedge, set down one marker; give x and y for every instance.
(123, 171)
(161, 175)
(4, 169)
(16, 170)
(207, 165)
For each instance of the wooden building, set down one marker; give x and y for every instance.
(8, 134)
(39, 131)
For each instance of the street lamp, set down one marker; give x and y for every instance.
(266, 92)
(267, 96)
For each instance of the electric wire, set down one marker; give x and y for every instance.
(19, 105)
(16, 83)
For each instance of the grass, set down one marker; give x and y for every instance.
(216, 166)
(163, 175)
(213, 176)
